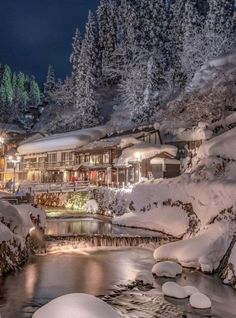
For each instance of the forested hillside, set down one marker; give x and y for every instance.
(18, 93)
(135, 57)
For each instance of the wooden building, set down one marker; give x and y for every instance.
(96, 161)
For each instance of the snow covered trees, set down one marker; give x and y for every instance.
(87, 79)
(18, 93)
(49, 85)
(142, 54)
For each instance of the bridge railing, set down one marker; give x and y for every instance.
(54, 187)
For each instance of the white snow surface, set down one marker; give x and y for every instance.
(145, 277)
(174, 290)
(200, 301)
(65, 141)
(169, 220)
(76, 305)
(208, 199)
(166, 269)
(190, 290)
(15, 220)
(199, 132)
(91, 206)
(204, 251)
(223, 145)
(141, 151)
(5, 233)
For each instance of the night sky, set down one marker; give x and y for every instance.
(35, 33)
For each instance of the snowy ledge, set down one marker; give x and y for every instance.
(17, 227)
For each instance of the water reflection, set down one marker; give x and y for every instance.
(91, 226)
(50, 276)
(95, 272)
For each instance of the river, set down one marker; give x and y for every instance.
(96, 271)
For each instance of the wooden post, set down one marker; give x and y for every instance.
(117, 177)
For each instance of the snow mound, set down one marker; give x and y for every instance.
(204, 251)
(223, 145)
(5, 233)
(174, 290)
(91, 206)
(200, 301)
(157, 219)
(190, 290)
(166, 269)
(144, 277)
(10, 216)
(76, 305)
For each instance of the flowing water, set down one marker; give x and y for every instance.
(97, 271)
(92, 226)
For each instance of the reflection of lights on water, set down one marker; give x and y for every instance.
(30, 280)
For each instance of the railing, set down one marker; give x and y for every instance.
(54, 187)
(47, 165)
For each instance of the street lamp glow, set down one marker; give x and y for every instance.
(1, 140)
(137, 155)
(15, 160)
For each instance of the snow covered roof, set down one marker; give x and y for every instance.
(11, 128)
(167, 161)
(118, 141)
(200, 132)
(223, 145)
(141, 151)
(66, 141)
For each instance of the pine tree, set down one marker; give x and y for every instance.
(6, 90)
(75, 60)
(107, 35)
(49, 85)
(86, 104)
(34, 93)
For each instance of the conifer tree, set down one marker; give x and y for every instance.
(49, 85)
(34, 92)
(107, 34)
(86, 104)
(6, 90)
(75, 60)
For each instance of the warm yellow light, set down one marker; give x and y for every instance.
(10, 158)
(137, 155)
(18, 158)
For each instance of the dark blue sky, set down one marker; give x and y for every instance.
(35, 33)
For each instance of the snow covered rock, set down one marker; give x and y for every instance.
(91, 206)
(166, 269)
(204, 251)
(145, 277)
(76, 305)
(169, 220)
(200, 301)
(174, 290)
(229, 274)
(190, 290)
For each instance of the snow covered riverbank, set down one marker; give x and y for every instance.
(17, 225)
(199, 207)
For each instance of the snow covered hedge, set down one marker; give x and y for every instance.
(16, 224)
